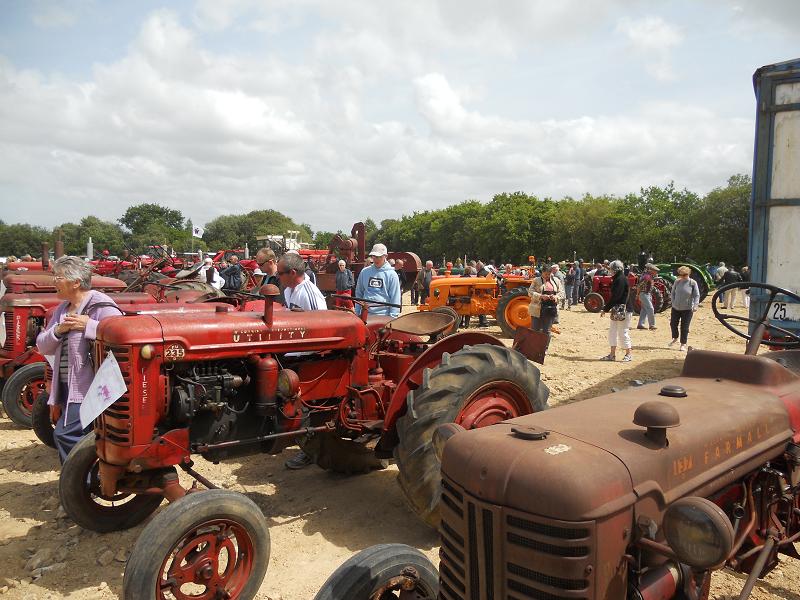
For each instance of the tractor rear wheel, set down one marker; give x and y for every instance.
(449, 310)
(512, 311)
(40, 420)
(594, 302)
(212, 544)
(339, 455)
(21, 390)
(655, 296)
(474, 387)
(79, 492)
(382, 568)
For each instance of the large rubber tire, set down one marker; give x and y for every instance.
(445, 391)
(512, 311)
(21, 390)
(184, 530)
(40, 420)
(79, 492)
(370, 570)
(333, 453)
(449, 310)
(594, 302)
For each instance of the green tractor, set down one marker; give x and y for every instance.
(669, 272)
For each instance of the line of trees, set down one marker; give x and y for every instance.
(667, 221)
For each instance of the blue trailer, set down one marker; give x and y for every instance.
(774, 248)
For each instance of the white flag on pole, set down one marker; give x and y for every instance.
(198, 231)
(106, 388)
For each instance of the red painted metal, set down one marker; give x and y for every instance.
(492, 404)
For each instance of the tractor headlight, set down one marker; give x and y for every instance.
(147, 351)
(288, 383)
(699, 532)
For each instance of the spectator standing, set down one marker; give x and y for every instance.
(545, 293)
(569, 285)
(267, 266)
(232, 274)
(719, 273)
(644, 289)
(214, 277)
(67, 339)
(685, 300)
(746, 292)
(731, 276)
(424, 279)
(556, 272)
(379, 281)
(621, 308)
(345, 282)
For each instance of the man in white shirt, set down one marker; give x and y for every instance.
(298, 292)
(216, 279)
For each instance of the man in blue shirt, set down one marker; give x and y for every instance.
(379, 282)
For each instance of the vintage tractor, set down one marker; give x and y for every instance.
(639, 494)
(669, 272)
(352, 393)
(475, 296)
(601, 292)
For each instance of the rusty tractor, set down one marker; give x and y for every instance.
(640, 494)
(601, 292)
(352, 392)
(476, 296)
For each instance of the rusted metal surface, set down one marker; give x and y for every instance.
(38, 281)
(532, 344)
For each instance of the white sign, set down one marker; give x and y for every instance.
(2, 288)
(106, 388)
(784, 311)
(2, 328)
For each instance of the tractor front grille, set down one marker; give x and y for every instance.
(8, 318)
(114, 424)
(491, 552)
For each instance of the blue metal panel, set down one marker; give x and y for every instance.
(765, 81)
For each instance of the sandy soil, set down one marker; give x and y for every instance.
(317, 520)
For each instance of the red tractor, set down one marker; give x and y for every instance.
(352, 393)
(601, 292)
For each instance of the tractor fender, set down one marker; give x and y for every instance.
(31, 355)
(429, 359)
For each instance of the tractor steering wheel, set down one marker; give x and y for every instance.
(762, 324)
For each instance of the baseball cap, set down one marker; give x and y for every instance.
(208, 261)
(651, 267)
(378, 250)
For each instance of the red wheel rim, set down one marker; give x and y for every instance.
(492, 403)
(28, 393)
(593, 303)
(212, 560)
(516, 313)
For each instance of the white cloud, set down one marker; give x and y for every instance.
(52, 16)
(654, 38)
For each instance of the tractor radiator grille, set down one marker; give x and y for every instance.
(114, 424)
(8, 318)
(491, 552)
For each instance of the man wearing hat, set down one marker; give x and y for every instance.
(645, 288)
(344, 285)
(379, 282)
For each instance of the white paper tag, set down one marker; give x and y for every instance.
(107, 387)
(2, 288)
(2, 329)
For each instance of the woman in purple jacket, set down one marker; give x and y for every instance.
(67, 340)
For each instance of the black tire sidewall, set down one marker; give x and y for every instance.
(169, 526)
(13, 387)
(40, 420)
(71, 492)
(372, 568)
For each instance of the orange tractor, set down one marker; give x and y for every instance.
(476, 296)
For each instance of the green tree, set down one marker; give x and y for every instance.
(233, 231)
(720, 222)
(20, 238)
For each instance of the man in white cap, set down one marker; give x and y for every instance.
(379, 282)
(216, 279)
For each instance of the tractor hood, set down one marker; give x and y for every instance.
(48, 300)
(38, 282)
(220, 332)
(602, 462)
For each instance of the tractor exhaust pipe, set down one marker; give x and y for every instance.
(59, 249)
(45, 256)
(270, 292)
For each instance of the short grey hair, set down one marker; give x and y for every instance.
(616, 265)
(73, 268)
(293, 262)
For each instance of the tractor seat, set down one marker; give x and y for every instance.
(786, 358)
(421, 323)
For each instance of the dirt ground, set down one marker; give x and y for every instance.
(317, 520)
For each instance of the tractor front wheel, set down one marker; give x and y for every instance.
(40, 420)
(21, 390)
(474, 387)
(594, 302)
(212, 544)
(380, 572)
(80, 495)
(512, 311)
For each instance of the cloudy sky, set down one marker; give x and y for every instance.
(334, 110)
